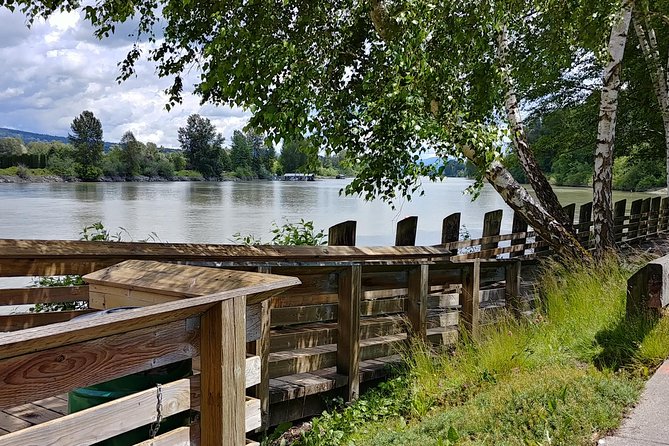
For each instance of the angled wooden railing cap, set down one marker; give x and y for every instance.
(65, 333)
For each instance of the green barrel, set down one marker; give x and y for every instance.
(86, 397)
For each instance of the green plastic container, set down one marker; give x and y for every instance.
(86, 397)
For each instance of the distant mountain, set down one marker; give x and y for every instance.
(30, 136)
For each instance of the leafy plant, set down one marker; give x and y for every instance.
(301, 233)
(95, 232)
(296, 234)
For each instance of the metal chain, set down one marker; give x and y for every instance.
(155, 426)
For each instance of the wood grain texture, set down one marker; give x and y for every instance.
(22, 296)
(180, 436)
(58, 370)
(106, 420)
(342, 234)
(492, 225)
(20, 321)
(417, 300)
(180, 280)
(222, 377)
(405, 234)
(450, 230)
(470, 297)
(348, 325)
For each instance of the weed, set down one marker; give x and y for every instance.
(563, 377)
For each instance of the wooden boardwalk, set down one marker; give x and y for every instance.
(341, 329)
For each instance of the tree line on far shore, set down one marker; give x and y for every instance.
(203, 155)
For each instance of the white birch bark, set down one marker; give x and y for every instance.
(529, 163)
(602, 202)
(648, 42)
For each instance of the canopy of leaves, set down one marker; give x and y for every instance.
(203, 145)
(382, 81)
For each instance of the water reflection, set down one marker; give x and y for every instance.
(213, 212)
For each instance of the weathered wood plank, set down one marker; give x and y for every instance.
(517, 226)
(512, 287)
(222, 378)
(20, 321)
(65, 333)
(342, 234)
(58, 370)
(450, 230)
(42, 295)
(348, 329)
(492, 224)
(470, 297)
(417, 300)
(180, 436)
(635, 218)
(168, 279)
(619, 219)
(406, 231)
(105, 420)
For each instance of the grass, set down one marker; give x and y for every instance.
(565, 377)
(14, 170)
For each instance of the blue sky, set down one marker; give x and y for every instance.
(56, 69)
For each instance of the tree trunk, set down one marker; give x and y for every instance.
(535, 176)
(602, 202)
(658, 75)
(517, 197)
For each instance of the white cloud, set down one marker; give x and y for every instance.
(57, 69)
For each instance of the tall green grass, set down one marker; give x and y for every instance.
(563, 377)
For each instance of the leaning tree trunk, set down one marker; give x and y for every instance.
(602, 202)
(516, 196)
(658, 75)
(529, 163)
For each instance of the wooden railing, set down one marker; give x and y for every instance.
(41, 362)
(351, 314)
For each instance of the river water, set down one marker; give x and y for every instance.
(211, 212)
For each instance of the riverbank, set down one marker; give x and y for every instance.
(50, 178)
(566, 376)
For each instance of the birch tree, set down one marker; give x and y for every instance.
(658, 73)
(602, 202)
(528, 162)
(383, 81)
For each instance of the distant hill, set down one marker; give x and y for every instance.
(30, 136)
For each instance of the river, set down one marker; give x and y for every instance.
(211, 212)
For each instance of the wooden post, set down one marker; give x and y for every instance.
(223, 380)
(348, 320)
(512, 287)
(645, 214)
(570, 210)
(450, 230)
(406, 232)
(584, 223)
(619, 219)
(342, 234)
(518, 225)
(470, 298)
(261, 348)
(492, 224)
(635, 218)
(654, 215)
(648, 288)
(417, 304)
(664, 210)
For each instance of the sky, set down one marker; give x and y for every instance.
(53, 71)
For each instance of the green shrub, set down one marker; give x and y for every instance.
(244, 173)
(562, 377)
(88, 173)
(194, 174)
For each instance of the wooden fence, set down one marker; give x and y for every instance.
(333, 334)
